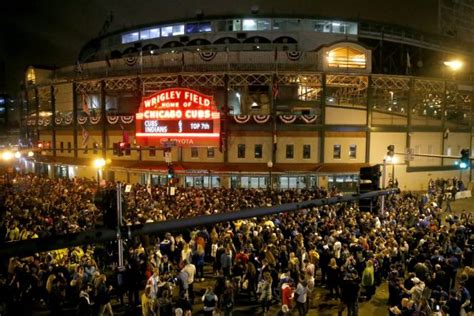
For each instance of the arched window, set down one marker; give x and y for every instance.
(346, 57)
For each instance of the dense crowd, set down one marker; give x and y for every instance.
(280, 260)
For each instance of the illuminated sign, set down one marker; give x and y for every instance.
(185, 116)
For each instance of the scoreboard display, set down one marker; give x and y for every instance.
(185, 116)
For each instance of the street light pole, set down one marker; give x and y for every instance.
(384, 171)
(270, 182)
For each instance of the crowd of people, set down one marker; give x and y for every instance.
(272, 261)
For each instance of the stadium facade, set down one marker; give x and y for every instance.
(296, 102)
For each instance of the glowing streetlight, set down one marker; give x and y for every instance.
(30, 154)
(454, 64)
(7, 155)
(99, 163)
(17, 155)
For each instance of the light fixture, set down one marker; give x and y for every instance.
(30, 154)
(454, 64)
(254, 104)
(7, 155)
(99, 163)
(17, 155)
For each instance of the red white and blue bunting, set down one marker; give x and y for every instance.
(261, 119)
(94, 119)
(242, 119)
(127, 119)
(68, 119)
(288, 119)
(207, 56)
(293, 55)
(58, 120)
(308, 119)
(82, 120)
(113, 119)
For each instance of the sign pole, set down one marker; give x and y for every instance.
(119, 225)
(382, 206)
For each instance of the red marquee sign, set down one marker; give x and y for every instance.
(179, 115)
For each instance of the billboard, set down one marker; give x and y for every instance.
(184, 116)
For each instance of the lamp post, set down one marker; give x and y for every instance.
(270, 182)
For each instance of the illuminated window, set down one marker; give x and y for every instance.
(346, 57)
(256, 25)
(149, 33)
(337, 152)
(130, 37)
(353, 151)
(194, 152)
(95, 148)
(241, 151)
(172, 30)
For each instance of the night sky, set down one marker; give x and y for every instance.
(51, 32)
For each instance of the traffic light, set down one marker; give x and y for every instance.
(118, 149)
(106, 201)
(390, 151)
(127, 148)
(170, 172)
(465, 161)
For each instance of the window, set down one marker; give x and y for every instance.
(149, 33)
(256, 24)
(152, 151)
(61, 146)
(352, 151)
(194, 152)
(95, 148)
(241, 151)
(130, 37)
(69, 147)
(290, 152)
(448, 151)
(86, 149)
(172, 30)
(346, 57)
(198, 27)
(337, 152)
(210, 152)
(306, 151)
(258, 150)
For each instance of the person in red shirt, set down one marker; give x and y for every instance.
(287, 293)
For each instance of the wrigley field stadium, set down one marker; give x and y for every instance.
(258, 100)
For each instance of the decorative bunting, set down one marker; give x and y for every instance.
(241, 119)
(288, 119)
(82, 120)
(58, 120)
(130, 60)
(261, 119)
(308, 119)
(113, 119)
(68, 119)
(207, 56)
(94, 119)
(46, 121)
(127, 119)
(40, 122)
(293, 55)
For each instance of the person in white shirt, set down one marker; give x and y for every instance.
(190, 269)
